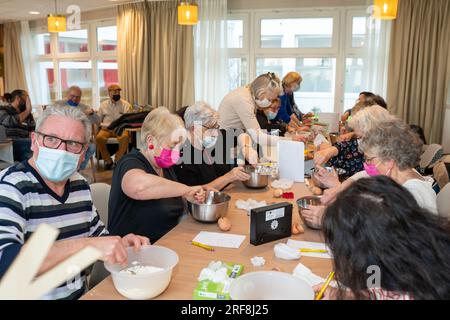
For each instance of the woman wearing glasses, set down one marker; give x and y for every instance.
(238, 108)
(208, 155)
(145, 196)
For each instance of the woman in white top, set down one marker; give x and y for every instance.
(390, 149)
(238, 108)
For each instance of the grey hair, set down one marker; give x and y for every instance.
(368, 118)
(394, 140)
(265, 82)
(69, 112)
(200, 112)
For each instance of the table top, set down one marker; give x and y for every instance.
(193, 259)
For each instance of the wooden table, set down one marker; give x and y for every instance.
(193, 259)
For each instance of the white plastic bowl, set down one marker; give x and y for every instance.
(270, 285)
(144, 286)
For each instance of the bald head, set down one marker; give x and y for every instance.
(74, 95)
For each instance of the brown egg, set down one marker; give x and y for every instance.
(297, 228)
(316, 190)
(224, 224)
(277, 193)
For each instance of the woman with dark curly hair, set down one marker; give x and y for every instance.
(376, 224)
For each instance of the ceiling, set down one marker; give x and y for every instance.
(16, 10)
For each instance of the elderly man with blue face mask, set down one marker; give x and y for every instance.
(73, 99)
(48, 189)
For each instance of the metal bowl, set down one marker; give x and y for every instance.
(305, 201)
(203, 212)
(257, 180)
(340, 172)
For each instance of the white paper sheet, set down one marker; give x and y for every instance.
(306, 274)
(223, 240)
(310, 245)
(291, 160)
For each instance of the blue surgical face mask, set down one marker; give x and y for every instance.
(56, 165)
(71, 103)
(209, 141)
(271, 115)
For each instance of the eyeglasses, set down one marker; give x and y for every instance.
(53, 142)
(216, 126)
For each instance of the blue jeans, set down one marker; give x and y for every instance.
(22, 149)
(89, 153)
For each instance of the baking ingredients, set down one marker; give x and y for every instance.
(224, 224)
(283, 251)
(138, 269)
(297, 228)
(258, 261)
(315, 190)
(277, 193)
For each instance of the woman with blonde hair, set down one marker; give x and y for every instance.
(289, 112)
(238, 108)
(145, 196)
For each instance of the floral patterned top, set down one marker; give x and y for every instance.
(349, 157)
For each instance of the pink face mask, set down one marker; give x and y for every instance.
(167, 158)
(371, 169)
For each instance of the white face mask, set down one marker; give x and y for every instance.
(209, 141)
(263, 103)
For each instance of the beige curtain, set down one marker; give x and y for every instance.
(133, 40)
(160, 57)
(13, 61)
(419, 71)
(171, 57)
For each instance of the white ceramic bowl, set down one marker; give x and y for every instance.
(144, 286)
(270, 285)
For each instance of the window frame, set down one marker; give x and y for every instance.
(340, 50)
(93, 55)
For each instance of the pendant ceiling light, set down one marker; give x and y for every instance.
(385, 9)
(187, 13)
(56, 22)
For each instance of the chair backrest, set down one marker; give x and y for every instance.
(100, 197)
(443, 201)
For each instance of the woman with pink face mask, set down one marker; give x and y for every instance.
(145, 196)
(391, 149)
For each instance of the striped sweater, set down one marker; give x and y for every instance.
(26, 201)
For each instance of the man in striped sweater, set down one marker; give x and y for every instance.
(48, 189)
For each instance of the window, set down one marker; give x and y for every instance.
(238, 45)
(42, 43)
(325, 45)
(358, 31)
(235, 33)
(107, 74)
(353, 81)
(86, 58)
(297, 33)
(73, 41)
(237, 73)
(48, 88)
(79, 73)
(107, 38)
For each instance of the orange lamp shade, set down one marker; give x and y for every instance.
(56, 23)
(385, 9)
(187, 13)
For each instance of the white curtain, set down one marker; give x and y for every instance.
(36, 80)
(210, 36)
(378, 33)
